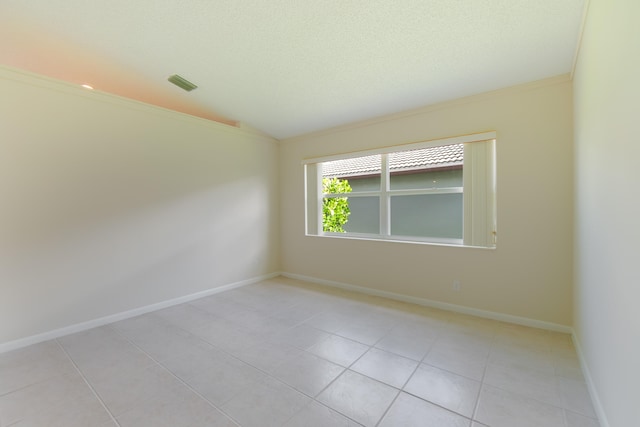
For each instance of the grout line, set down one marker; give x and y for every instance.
(401, 390)
(86, 381)
(386, 411)
(440, 334)
(438, 405)
(22, 387)
(484, 373)
(176, 377)
(331, 409)
(267, 373)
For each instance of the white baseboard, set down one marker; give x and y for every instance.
(595, 398)
(78, 327)
(540, 324)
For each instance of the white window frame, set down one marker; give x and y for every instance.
(479, 199)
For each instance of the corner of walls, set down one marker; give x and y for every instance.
(593, 391)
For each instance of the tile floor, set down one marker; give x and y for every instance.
(288, 353)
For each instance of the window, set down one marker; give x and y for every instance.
(438, 191)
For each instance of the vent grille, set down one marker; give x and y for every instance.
(181, 82)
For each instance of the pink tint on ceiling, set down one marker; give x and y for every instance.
(27, 47)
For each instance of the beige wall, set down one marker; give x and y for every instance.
(108, 205)
(528, 275)
(607, 320)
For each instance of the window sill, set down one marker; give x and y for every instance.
(397, 239)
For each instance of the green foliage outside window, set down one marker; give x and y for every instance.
(335, 211)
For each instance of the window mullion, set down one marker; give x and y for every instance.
(385, 208)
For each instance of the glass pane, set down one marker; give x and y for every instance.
(436, 167)
(431, 215)
(364, 216)
(361, 173)
(427, 179)
(369, 183)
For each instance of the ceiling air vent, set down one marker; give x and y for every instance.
(181, 82)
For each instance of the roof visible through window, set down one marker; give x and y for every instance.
(401, 161)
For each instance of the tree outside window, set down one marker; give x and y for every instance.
(335, 210)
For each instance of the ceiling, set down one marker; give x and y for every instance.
(290, 67)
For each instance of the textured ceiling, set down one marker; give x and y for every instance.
(289, 67)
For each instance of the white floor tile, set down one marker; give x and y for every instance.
(468, 324)
(410, 411)
(385, 367)
(123, 390)
(523, 336)
(575, 397)
(300, 312)
(517, 357)
(199, 361)
(227, 336)
(104, 352)
(156, 337)
(469, 361)
(329, 321)
(359, 397)
(223, 378)
(364, 333)
(308, 373)
(568, 367)
(177, 407)
(217, 305)
(317, 415)
(267, 404)
(301, 336)
(339, 350)
(268, 356)
(501, 408)
(62, 401)
(577, 420)
(408, 342)
(525, 382)
(454, 392)
(26, 366)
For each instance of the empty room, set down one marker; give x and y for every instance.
(333, 213)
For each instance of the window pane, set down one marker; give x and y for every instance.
(431, 215)
(370, 183)
(365, 215)
(436, 167)
(427, 179)
(362, 173)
